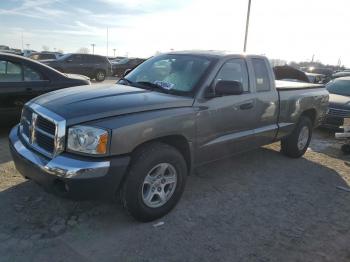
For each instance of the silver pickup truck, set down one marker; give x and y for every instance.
(139, 139)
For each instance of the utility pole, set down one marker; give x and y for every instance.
(313, 58)
(339, 62)
(247, 27)
(107, 41)
(93, 48)
(22, 41)
(114, 52)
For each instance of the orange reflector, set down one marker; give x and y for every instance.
(102, 144)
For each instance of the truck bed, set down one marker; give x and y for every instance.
(289, 85)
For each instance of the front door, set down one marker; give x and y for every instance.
(225, 125)
(74, 64)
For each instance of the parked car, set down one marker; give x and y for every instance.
(40, 56)
(316, 78)
(127, 63)
(340, 74)
(290, 73)
(94, 66)
(28, 52)
(116, 59)
(339, 102)
(327, 72)
(22, 79)
(142, 137)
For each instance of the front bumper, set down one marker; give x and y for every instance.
(69, 175)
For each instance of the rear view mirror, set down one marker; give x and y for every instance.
(127, 71)
(226, 88)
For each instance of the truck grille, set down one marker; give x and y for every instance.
(339, 112)
(42, 130)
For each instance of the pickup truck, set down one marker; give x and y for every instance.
(139, 139)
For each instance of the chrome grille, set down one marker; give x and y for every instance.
(46, 125)
(43, 130)
(339, 112)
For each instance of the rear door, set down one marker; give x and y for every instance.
(225, 125)
(267, 103)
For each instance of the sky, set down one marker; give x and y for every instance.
(292, 30)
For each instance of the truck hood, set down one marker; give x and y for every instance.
(339, 101)
(86, 103)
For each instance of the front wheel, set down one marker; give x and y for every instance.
(155, 182)
(100, 75)
(296, 144)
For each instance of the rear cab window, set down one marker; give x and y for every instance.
(262, 77)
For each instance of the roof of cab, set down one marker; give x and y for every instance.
(212, 53)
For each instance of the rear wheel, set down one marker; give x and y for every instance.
(155, 182)
(100, 75)
(296, 144)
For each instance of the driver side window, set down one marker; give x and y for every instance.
(234, 70)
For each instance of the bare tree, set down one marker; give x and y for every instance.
(46, 48)
(83, 50)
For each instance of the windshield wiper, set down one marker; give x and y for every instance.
(128, 82)
(153, 86)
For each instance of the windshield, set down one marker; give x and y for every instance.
(179, 73)
(339, 87)
(122, 61)
(63, 57)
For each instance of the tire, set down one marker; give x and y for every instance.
(100, 75)
(147, 164)
(345, 149)
(296, 144)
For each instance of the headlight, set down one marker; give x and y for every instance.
(87, 139)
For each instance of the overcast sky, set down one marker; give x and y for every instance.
(287, 29)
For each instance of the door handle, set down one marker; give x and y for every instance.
(246, 106)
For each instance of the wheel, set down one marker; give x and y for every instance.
(100, 75)
(296, 144)
(155, 182)
(346, 149)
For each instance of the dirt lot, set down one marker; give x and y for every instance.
(259, 206)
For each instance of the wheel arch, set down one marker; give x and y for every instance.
(179, 142)
(311, 114)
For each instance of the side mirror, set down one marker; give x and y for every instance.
(127, 71)
(227, 88)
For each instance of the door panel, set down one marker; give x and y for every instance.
(225, 125)
(267, 107)
(74, 65)
(224, 128)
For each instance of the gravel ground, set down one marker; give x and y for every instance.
(258, 206)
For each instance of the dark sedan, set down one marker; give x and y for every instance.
(22, 79)
(339, 102)
(127, 63)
